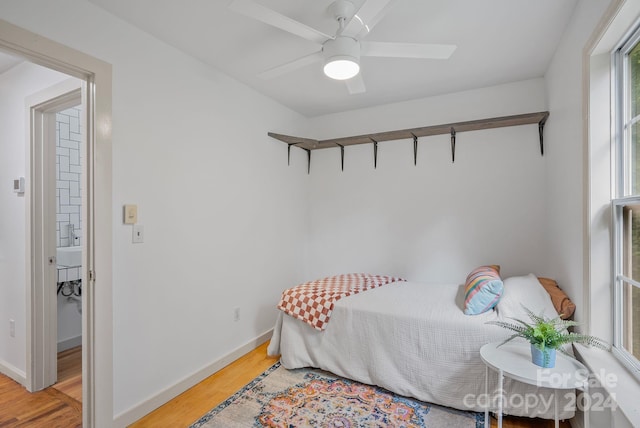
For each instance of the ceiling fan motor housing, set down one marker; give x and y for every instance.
(337, 53)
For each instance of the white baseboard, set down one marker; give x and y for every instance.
(144, 408)
(72, 342)
(13, 372)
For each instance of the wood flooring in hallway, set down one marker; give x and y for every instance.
(58, 406)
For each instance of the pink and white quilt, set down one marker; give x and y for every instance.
(312, 302)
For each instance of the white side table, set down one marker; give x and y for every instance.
(514, 360)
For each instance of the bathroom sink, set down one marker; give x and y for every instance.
(69, 256)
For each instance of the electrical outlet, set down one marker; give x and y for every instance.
(138, 234)
(236, 314)
(12, 328)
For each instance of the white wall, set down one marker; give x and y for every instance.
(223, 218)
(566, 154)
(436, 221)
(578, 195)
(223, 214)
(15, 85)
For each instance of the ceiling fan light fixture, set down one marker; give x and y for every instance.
(341, 68)
(341, 58)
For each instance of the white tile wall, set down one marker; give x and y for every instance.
(68, 211)
(68, 171)
(69, 274)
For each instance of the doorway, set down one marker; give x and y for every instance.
(58, 147)
(97, 357)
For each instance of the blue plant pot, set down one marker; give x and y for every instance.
(545, 359)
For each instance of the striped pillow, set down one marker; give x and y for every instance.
(483, 289)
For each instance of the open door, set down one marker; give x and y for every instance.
(45, 224)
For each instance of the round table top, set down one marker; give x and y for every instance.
(514, 359)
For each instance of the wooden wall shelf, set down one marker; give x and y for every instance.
(309, 144)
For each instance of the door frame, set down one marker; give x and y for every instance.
(97, 340)
(42, 333)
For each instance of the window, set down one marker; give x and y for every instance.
(626, 205)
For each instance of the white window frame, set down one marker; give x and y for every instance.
(623, 195)
(619, 282)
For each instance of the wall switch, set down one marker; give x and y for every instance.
(138, 234)
(12, 328)
(236, 314)
(130, 214)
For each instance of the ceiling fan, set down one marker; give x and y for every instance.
(341, 52)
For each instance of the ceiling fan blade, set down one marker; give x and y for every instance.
(355, 85)
(268, 16)
(406, 50)
(369, 14)
(291, 66)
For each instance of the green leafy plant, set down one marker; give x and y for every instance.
(548, 333)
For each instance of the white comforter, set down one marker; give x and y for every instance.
(412, 339)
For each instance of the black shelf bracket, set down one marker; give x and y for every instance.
(375, 153)
(289, 153)
(415, 149)
(453, 145)
(541, 134)
(341, 156)
(308, 160)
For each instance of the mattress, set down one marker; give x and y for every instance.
(412, 339)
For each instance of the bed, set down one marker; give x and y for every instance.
(414, 339)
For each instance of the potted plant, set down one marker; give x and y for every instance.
(547, 335)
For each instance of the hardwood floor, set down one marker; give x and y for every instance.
(70, 373)
(188, 407)
(60, 406)
(53, 407)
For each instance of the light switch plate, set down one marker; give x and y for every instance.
(130, 214)
(138, 234)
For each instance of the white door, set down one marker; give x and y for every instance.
(44, 321)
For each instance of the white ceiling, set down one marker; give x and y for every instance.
(498, 41)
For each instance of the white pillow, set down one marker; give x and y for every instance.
(524, 290)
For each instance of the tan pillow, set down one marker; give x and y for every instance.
(561, 302)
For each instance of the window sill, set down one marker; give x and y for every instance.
(625, 387)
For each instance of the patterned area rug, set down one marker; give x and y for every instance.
(313, 398)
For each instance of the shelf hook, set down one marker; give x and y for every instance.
(375, 153)
(540, 132)
(341, 155)
(415, 149)
(308, 160)
(453, 145)
(289, 153)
